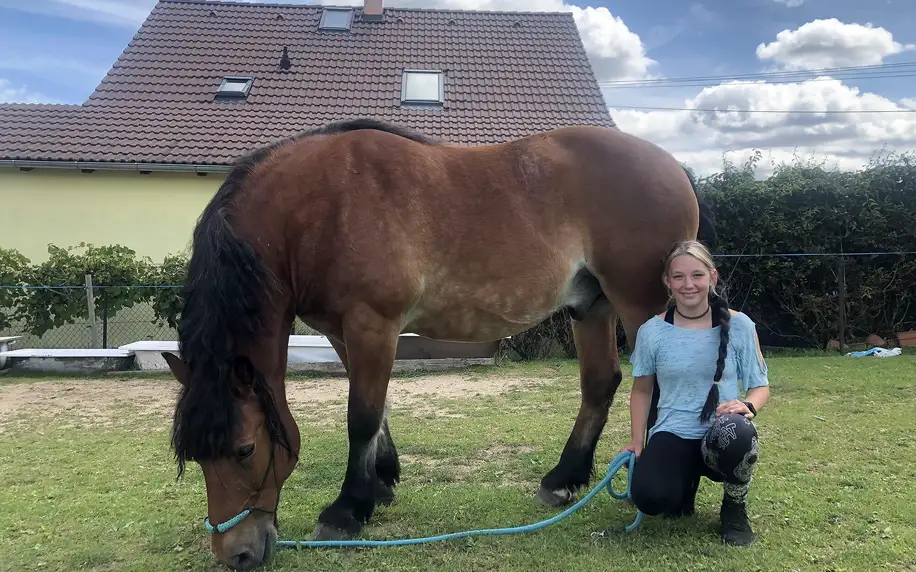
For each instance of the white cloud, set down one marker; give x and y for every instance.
(790, 3)
(125, 11)
(831, 43)
(616, 53)
(22, 60)
(122, 13)
(827, 120)
(11, 94)
(845, 138)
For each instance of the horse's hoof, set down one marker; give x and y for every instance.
(327, 532)
(555, 498)
(384, 495)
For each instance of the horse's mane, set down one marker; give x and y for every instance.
(367, 123)
(227, 280)
(248, 162)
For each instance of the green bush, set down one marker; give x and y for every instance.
(12, 270)
(116, 269)
(41, 297)
(165, 297)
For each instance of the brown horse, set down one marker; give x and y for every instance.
(365, 231)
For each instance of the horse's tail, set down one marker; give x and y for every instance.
(706, 233)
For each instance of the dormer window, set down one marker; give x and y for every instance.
(234, 87)
(336, 19)
(422, 86)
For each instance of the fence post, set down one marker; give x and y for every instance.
(105, 324)
(90, 302)
(841, 300)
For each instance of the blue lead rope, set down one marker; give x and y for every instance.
(624, 458)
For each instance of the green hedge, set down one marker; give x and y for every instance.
(805, 208)
(800, 208)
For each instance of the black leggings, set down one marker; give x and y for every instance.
(667, 474)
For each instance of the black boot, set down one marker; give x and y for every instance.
(736, 528)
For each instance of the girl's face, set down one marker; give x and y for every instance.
(690, 281)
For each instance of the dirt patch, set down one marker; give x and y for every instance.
(94, 400)
(461, 469)
(411, 391)
(505, 451)
(98, 400)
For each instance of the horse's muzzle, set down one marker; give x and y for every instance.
(251, 552)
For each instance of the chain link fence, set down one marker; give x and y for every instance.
(797, 300)
(78, 315)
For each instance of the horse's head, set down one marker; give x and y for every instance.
(246, 446)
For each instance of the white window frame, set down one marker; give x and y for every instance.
(439, 99)
(323, 25)
(221, 90)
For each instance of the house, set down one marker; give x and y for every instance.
(203, 81)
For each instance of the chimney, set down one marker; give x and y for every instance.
(285, 62)
(373, 10)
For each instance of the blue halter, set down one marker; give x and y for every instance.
(224, 526)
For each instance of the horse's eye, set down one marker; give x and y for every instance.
(244, 452)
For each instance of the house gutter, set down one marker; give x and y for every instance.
(115, 166)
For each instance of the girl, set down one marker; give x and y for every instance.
(692, 356)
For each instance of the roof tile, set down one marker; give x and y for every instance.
(507, 75)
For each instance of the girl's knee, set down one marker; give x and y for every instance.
(730, 447)
(731, 431)
(654, 496)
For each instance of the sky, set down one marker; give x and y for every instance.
(57, 51)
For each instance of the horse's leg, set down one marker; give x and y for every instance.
(341, 350)
(599, 372)
(371, 344)
(387, 465)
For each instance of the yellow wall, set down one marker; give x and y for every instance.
(153, 214)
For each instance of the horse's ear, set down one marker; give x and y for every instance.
(178, 366)
(244, 374)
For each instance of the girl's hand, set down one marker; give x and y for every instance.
(635, 447)
(734, 406)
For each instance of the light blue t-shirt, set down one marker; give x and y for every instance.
(684, 362)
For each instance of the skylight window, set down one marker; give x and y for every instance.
(234, 86)
(422, 86)
(336, 19)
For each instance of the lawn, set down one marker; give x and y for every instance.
(89, 481)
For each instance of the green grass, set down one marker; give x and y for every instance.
(833, 492)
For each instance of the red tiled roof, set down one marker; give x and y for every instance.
(507, 74)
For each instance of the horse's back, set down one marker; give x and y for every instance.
(474, 242)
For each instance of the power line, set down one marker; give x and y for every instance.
(814, 254)
(816, 71)
(649, 85)
(772, 78)
(786, 111)
(796, 74)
